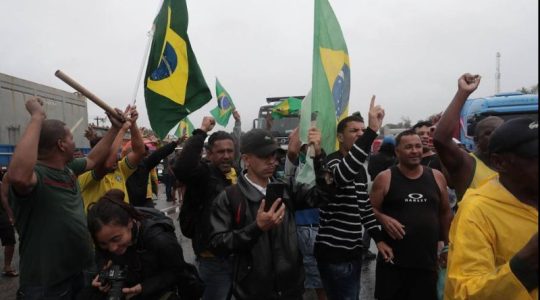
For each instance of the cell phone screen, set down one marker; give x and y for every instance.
(274, 190)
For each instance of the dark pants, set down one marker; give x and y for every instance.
(341, 281)
(217, 275)
(168, 181)
(393, 282)
(65, 290)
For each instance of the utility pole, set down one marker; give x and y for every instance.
(498, 74)
(102, 119)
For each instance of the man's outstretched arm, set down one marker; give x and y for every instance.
(21, 169)
(456, 161)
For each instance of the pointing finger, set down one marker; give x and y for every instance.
(372, 104)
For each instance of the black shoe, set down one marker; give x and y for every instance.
(368, 255)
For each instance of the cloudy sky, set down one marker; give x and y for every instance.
(408, 53)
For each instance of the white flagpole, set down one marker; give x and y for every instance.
(150, 35)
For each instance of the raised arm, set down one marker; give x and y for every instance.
(101, 169)
(153, 159)
(347, 169)
(187, 166)
(456, 161)
(100, 151)
(23, 179)
(137, 144)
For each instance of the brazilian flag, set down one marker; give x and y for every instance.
(222, 113)
(174, 84)
(288, 107)
(331, 79)
(185, 127)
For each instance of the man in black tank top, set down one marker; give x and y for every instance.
(411, 202)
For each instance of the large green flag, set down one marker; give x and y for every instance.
(331, 79)
(288, 107)
(174, 84)
(185, 127)
(328, 100)
(222, 113)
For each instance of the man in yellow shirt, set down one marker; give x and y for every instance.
(494, 236)
(114, 173)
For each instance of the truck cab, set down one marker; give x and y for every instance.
(504, 105)
(280, 128)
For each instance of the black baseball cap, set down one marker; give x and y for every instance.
(259, 142)
(518, 136)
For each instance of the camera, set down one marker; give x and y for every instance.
(115, 276)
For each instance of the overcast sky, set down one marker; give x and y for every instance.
(408, 53)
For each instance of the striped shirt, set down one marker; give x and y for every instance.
(342, 220)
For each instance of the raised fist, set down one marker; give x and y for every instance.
(34, 106)
(208, 124)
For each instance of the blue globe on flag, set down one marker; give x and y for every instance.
(224, 103)
(167, 65)
(341, 90)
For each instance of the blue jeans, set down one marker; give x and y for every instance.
(341, 281)
(306, 242)
(65, 290)
(217, 275)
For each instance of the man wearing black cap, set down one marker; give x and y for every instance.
(494, 236)
(268, 264)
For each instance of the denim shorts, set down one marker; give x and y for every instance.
(306, 241)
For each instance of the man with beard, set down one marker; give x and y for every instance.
(411, 202)
(204, 179)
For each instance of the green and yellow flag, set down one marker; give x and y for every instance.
(185, 127)
(331, 79)
(328, 100)
(174, 84)
(288, 107)
(222, 113)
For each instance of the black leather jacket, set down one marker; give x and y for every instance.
(268, 265)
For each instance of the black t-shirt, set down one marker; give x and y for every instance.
(432, 161)
(380, 162)
(415, 204)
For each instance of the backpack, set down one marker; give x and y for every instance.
(192, 286)
(190, 212)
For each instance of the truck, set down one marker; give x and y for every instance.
(505, 105)
(280, 128)
(68, 107)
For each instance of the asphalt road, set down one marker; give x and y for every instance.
(9, 286)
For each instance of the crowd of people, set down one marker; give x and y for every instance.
(446, 223)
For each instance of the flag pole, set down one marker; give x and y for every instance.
(150, 35)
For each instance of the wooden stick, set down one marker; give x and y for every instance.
(79, 88)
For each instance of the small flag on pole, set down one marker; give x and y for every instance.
(185, 127)
(222, 113)
(288, 107)
(174, 84)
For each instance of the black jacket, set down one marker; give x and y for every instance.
(268, 265)
(155, 260)
(137, 183)
(203, 182)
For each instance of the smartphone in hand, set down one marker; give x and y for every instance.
(274, 190)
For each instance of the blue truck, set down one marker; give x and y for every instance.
(504, 105)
